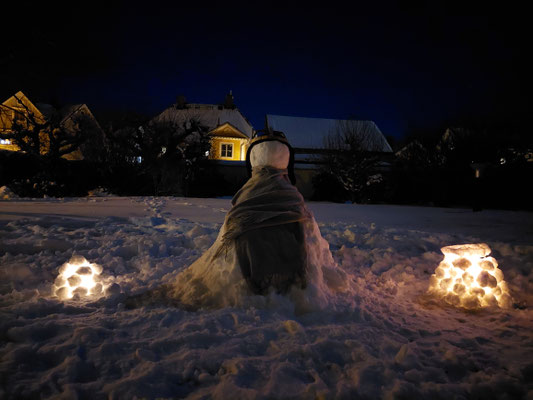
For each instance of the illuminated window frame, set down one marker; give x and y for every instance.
(226, 150)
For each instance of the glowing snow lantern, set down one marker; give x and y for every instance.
(468, 278)
(79, 277)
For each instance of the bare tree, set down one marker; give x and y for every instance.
(48, 136)
(167, 153)
(352, 155)
(172, 153)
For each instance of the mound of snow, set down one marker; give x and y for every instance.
(378, 337)
(216, 282)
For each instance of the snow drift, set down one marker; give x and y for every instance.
(380, 338)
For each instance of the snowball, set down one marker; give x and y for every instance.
(485, 279)
(81, 291)
(272, 153)
(60, 281)
(74, 281)
(97, 289)
(62, 293)
(84, 271)
(459, 289)
(462, 263)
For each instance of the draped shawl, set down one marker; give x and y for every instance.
(267, 199)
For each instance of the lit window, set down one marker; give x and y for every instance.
(226, 150)
(139, 159)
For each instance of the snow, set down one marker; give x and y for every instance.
(380, 337)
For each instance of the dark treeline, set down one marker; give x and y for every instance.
(465, 162)
(460, 163)
(130, 154)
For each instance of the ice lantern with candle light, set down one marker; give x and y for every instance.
(469, 278)
(80, 278)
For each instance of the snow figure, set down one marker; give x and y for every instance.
(269, 244)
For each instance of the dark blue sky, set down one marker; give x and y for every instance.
(410, 66)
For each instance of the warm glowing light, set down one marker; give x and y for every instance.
(469, 278)
(79, 277)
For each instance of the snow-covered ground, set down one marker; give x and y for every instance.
(386, 340)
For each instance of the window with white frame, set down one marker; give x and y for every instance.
(226, 150)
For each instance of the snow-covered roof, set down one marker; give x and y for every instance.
(210, 115)
(309, 133)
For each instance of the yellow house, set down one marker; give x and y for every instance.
(18, 108)
(228, 143)
(229, 130)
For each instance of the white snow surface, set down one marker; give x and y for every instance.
(379, 337)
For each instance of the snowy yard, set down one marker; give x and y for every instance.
(386, 339)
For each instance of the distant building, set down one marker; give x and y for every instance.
(18, 108)
(308, 135)
(229, 130)
(413, 152)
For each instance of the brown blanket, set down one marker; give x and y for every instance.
(265, 225)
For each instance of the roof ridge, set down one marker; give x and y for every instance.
(326, 119)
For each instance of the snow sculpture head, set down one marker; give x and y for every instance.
(270, 153)
(270, 148)
(79, 277)
(468, 278)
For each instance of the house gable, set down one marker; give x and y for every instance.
(208, 115)
(16, 108)
(227, 130)
(70, 123)
(18, 105)
(228, 143)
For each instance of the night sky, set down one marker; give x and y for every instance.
(408, 66)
